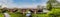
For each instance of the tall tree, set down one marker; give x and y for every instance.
(50, 4)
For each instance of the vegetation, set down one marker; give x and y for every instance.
(54, 12)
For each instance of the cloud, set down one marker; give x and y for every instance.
(11, 4)
(58, 0)
(3, 3)
(7, 3)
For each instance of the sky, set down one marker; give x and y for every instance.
(22, 3)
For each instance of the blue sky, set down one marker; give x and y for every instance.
(30, 2)
(23, 3)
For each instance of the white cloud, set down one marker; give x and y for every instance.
(4, 5)
(7, 3)
(10, 4)
(58, 0)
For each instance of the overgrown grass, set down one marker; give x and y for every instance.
(1, 15)
(54, 13)
(20, 15)
(39, 15)
(16, 15)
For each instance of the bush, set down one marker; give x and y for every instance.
(54, 13)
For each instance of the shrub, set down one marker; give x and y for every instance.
(54, 13)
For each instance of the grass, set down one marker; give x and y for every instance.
(39, 15)
(16, 15)
(20, 15)
(1, 15)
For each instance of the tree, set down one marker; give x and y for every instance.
(50, 4)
